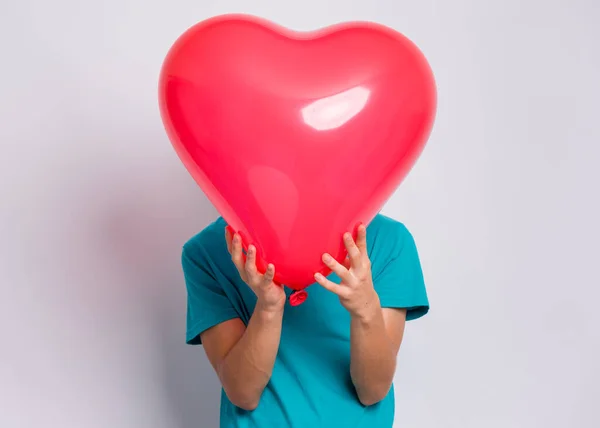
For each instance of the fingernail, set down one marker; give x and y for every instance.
(318, 276)
(326, 258)
(251, 249)
(347, 236)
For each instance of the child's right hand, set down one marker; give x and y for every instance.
(271, 297)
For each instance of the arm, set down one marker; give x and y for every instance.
(374, 344)
(375, 333)
(244, 357)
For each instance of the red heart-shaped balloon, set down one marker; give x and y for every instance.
(296, 137)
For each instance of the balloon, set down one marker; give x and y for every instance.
(296, 137)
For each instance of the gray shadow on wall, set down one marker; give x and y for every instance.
(145, 225)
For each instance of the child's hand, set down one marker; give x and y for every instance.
(271, 297)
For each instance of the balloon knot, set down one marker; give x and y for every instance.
(298, 297)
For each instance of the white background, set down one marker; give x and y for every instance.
(95, 205)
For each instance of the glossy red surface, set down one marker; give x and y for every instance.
(296, 137)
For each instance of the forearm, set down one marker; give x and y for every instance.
(372, 358)
(247, 368)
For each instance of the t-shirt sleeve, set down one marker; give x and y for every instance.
(207, 303)
(399, 281)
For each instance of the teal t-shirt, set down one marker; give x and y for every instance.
(310, 386)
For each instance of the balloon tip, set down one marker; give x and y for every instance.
(298, 297)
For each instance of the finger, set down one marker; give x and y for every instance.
(337, 268)
(269, 274)
(361, 239)
(347, 263)
(236, 253)
(251, 262)
(353, 252)
(228, 238)
(330, 285)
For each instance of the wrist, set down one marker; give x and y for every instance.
(268, 310)
(369, 311)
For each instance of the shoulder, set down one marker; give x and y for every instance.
(210, 235)
(386, 239)
(386, 224)
(385, 231)
(210, 241)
